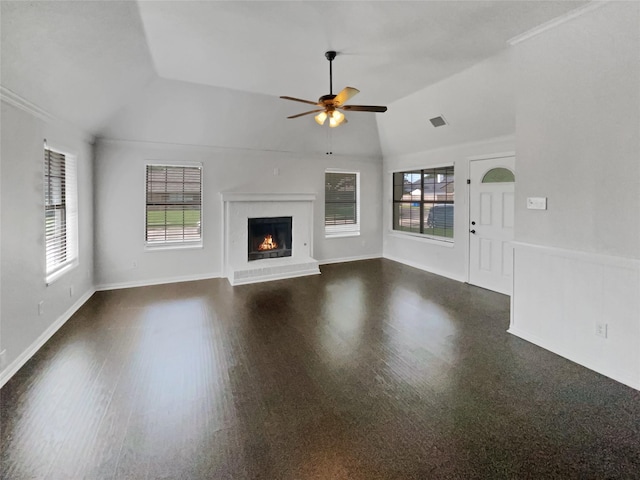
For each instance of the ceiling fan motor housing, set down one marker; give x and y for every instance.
(326, 99)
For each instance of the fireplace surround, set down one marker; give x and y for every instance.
(294, 261)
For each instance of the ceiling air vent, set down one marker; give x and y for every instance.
(438, 121)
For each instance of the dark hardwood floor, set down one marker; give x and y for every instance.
(372, 370)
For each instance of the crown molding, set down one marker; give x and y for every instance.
(12, 98)
(553, 23)
(17, 101)
(218, 148)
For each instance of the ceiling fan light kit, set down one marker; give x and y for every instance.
(332, 104)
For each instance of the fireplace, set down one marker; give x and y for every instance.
(269, 237)
(245, 215)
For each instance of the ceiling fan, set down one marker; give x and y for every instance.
(332, 104)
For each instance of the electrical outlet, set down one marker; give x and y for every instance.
(601, 329)
(40, 308)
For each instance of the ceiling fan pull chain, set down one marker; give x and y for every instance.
(329, 142)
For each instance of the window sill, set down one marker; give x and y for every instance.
(423, 238)
(172, 246)
(55, 276)
(341, 234)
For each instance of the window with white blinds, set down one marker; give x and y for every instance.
(342, 203)
(174, 205)
(60, 212)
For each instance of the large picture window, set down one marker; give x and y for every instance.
(174, 205)
(342, 203)
(60, 212)
(423, 202)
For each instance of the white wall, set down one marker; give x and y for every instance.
(120, 197)
(478, 103)
(22, 257)
(240, 138)
(578, 144)
(171, 111)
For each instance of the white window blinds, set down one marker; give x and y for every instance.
(342, 203)
(61, 212)
(174, 204)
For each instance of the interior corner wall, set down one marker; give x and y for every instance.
(22, 255)
(577, 264)
(478, 105)
(121, 257)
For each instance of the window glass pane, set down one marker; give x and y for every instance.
(438, 219)
(407, 217)
(398, 185)
(55, 214)
(174, 196)
(499, 175)
(341, 209)
(424, 201)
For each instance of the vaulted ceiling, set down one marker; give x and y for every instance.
(84, 61)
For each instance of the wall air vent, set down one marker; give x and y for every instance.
(438, 121)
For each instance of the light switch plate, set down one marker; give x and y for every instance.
(537, 203)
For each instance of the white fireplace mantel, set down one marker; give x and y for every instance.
(239, 207)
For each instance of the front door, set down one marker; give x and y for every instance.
(491, 208)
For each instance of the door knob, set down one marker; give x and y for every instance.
(473, 231)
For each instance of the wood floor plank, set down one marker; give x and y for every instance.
(372, 370)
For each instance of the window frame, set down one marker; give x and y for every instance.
(68, 206)
(430, 237)
(172, 244)
(347, 229)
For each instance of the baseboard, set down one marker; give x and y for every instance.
(617, 376)
(435, 271)
(349, 259)
(157, 281)
(24, 357)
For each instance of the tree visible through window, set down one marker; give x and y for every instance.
(174, 204)
(423, 202)
(342, 203)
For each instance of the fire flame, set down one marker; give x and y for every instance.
(268, 243)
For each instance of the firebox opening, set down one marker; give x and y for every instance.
(269, 237)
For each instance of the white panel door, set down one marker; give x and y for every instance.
(491, 224)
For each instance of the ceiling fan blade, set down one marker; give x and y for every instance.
(345, 95)
(300, 100)
(306, 113)
(364, 108)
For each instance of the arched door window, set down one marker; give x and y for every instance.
(499, 175)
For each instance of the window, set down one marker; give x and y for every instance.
(423, 202)
(341, 203)
(174, 205)
(60, 213)
(499, 175)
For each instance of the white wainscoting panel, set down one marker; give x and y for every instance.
(561, 296)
